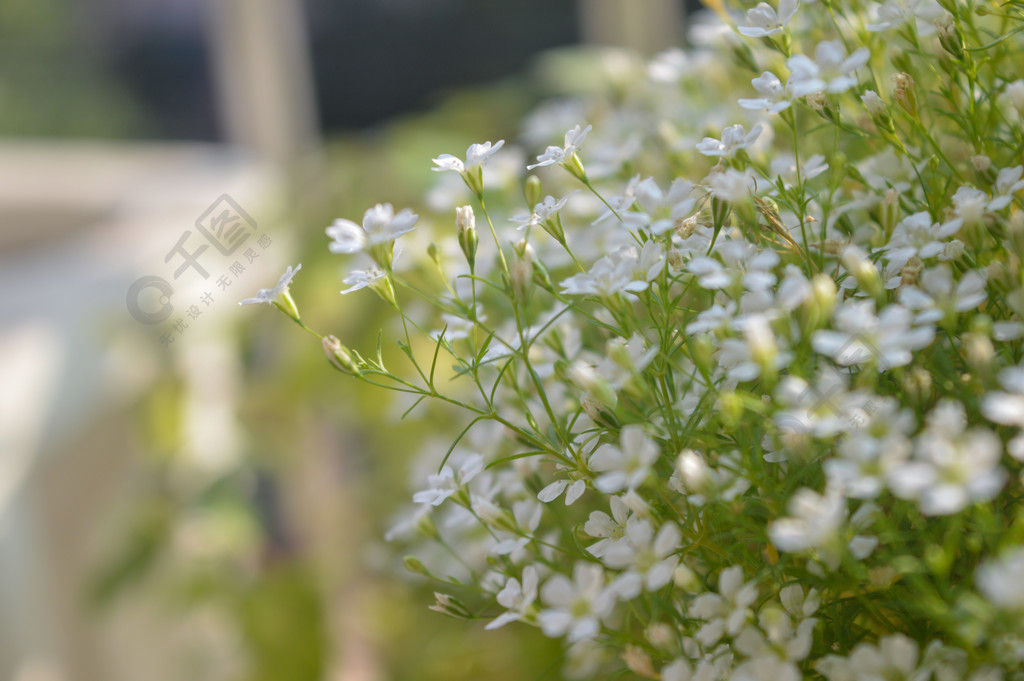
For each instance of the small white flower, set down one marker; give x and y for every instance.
(576, 607)
(862, 338)
(446, 483)
(552, 155)
(776, 97)
(609, 529)
(476, 155)
(937, 298)
(727, 611)
(733, 139)
(661, 211)
(1007, 408)
(830, 71)
(380, 226)
(542, 212)
(917, 235)
(649, 559)
(360, 279)
(1000, 580)
(517, 598)
(763, 20)
(273, 295)
(626, 467)
(573, 489)
(895, 13)
(952, 467)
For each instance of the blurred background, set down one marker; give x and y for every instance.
(186, 490)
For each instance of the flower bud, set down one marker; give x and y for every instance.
(639, 662)
(825, 107)
(660, 635)
(878, 110)
(863, 270)
(533, 191)
(339, 356)
(685, 578)
(693, 471)
(465, 223)
(890, 211)
(521, 269)
(415, 566)
(949, 37)
(823, 297)
(903, 93)
(761, 341)
(911, 271)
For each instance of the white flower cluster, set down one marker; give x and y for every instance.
(747, 401)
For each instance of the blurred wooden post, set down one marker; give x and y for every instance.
(264, 76)
(647, 26)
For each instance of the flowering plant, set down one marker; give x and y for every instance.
(734, 400)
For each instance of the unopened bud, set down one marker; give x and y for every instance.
(415, 566)
(878, 110)
(911, 271)
(823, 296)
(863, 270)
(685, 578)
(825, 107)
(890, 211)
(339, 356)
(639, 662)
(532, 191)
(903, 93)
(949, 37)
(660, 635)
(693, 471)
(465, 223)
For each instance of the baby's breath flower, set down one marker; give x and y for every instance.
(764, 21)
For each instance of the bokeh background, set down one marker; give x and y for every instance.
(200, 496)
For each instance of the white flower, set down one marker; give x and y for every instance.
(732, 186)
(359, 279)
(552, 155)
(742, 261)
(274, 295)
(542, 212)
(1000, 580)
(573, 489)
(609, 529)
(894, 657)
(818, 522)
(822, 409)
(862, 338)
(937, 298)
(661, 210)
(733, 139)
(763, 20)
(775, 99)
(1007, 408)
(380, 226)
(649, 559)
(578, 606)
(611, 275)
(952, 467)
(895, 13)
(625, 467)
(476, 155)
(446, 483)
(1008, 182)
(727, 611)
(830, 71)
(917, 235)
(869, 452)
(517, 598)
